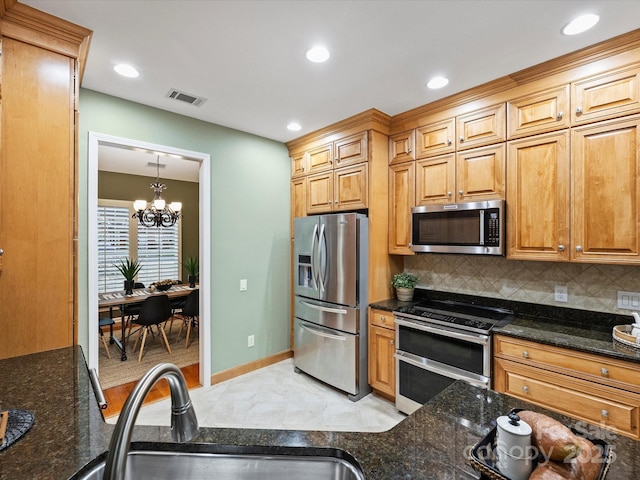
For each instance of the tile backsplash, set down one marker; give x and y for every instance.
(590, 286)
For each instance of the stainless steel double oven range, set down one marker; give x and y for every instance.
(439, 342)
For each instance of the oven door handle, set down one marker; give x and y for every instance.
(321, 332)
(340, 311)
(444, 331)
(439, 369)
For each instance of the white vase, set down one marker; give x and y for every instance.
(404, 294)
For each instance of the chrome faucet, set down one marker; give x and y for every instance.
(184, 424)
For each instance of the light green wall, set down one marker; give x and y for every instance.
(249, 216)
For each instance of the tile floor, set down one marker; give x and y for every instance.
(275, 397)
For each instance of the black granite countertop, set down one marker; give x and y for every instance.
(430, 444)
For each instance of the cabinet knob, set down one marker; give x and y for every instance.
(579, 110)
(561, 248)
(604, 371)
(1, 252)
(560, 115)
(337, 160)
(391, 342)
(578, 248)
(449, 142)
(408, 150)
(525, 354)
(460, 192)
(525, 389)
(302, 169)
(461, 139)
(330, 162)
(448, 194)
(604, 413)
(335, 202)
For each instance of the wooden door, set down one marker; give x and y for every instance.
(320, 159)
(402, 188)
(480, 173)
(320, 193)
(351, 150)
(539, 112)
(605, 163)
(298, 165)
(298, 199)
(351, 187)
(436, 138)
(37, 209)
(481, 127)
(402, 147)
(435, 180)
(538, 171)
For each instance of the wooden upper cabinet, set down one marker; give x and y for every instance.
(480, 174)
(481, 127)
(351, 150)
(319, 193)
(606, 96)
(436, 180)
(538, 197)
(298, 199)
(351, 187)
(320, 159)
(539, 112)
(402, 186)
(436, 138)
(299, 165)
(606, 192)
(402, 147)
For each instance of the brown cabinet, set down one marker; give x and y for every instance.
(538, 181)
(298, 199)
(402, 147)
(539, 112)
(611, 94)
(481, 127)
(596, 389)
(436, 138)
(436, 180)
(299, 163)
(401, 199)
(340, 153)
(605, 203)
(338, 190)
(382, 369)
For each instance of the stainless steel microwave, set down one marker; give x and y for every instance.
(473, 228)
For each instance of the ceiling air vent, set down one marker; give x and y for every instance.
(186, 97)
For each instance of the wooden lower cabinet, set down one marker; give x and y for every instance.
(584, 386)
(382, 367)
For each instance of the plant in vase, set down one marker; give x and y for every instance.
(192, 266)
(129, 270)
(404, 284)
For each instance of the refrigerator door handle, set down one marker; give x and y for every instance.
(322, 264)
(313, 256)
(322, 333)
(340, 311)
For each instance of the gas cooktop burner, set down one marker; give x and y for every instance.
(475, 318)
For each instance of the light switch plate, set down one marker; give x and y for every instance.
(628, 300)
(243, 285)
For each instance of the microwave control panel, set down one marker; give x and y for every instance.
(492, 234)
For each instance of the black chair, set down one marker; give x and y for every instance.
(131, 310)
(155, 310)
(103, 322)
(190, 314)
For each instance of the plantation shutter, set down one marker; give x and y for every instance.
(158, 253)
(113, 245)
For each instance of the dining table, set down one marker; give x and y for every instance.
(121, 299)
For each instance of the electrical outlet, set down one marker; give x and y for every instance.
(251, 340)
(561, 294)
(243, 285)
(628, 300)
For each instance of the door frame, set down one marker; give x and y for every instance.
(95, 140)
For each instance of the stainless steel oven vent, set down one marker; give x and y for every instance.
(185, 97)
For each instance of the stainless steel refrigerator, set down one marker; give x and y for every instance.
(330, 305)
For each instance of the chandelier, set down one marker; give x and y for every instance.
(157, 213)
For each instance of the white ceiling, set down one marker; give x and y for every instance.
(247, 57)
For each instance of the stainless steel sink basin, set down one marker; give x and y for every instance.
(209, 461)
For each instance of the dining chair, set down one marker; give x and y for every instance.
(190, 314)
(131, 310)
(155, 310)
(103, 322)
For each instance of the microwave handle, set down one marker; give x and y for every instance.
(481, 227)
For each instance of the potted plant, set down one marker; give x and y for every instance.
(404, 284)
(192, 266)
(129, 269)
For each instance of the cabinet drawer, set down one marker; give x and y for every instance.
(607, 371)
(553, 392)
(382, 319)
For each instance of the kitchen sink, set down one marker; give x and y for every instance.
(211, 461)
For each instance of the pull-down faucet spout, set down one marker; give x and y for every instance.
(184, 424)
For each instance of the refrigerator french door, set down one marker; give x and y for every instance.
(330, 255)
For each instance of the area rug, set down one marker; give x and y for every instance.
(114, 372)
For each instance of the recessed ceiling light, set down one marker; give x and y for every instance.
(294, 126)
(581, 24)
(437, 82)
(318, 54)
(126, 70)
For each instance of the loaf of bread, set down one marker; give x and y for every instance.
(551, 471)
(552, 438)
(587, 465)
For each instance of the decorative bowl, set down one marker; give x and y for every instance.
(164, 287)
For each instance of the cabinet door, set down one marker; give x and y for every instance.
(538, 197)
(402, 147)
(298, 199)
(606, 96)
(351, 150)
(382, 368)
(401, 199)
(435, 180)
(481, 127)
(320, 193)
(298, 165)
(606, 192)
(480, 173)
(539, 113)
(351, 187)
(436, 139)
(320, 159)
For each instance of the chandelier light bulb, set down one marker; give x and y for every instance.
(175, 206)
(159, 204)
(139, 205)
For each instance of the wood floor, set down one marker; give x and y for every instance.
(116, 396)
